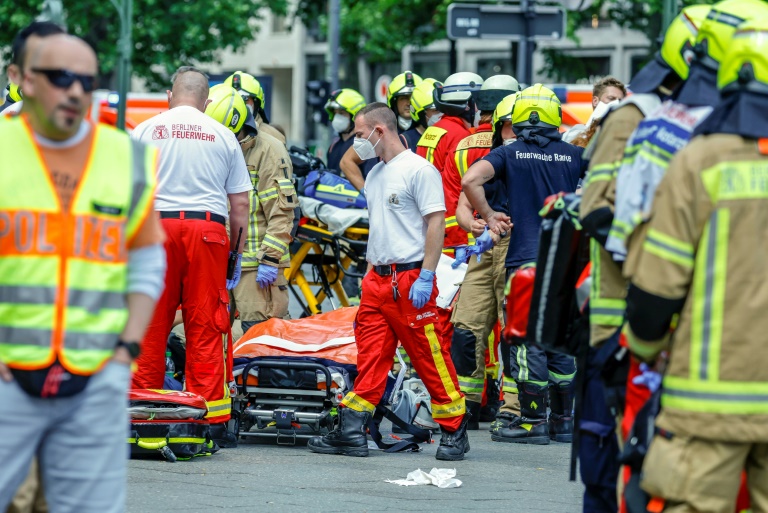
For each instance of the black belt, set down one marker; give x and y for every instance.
(207, 216)
(386, 270)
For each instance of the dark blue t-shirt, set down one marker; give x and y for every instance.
(411, 137)
(530, 173)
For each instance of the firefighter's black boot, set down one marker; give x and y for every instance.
(348, 438)
(224, 438)
(493, 401)
(473, 409)
(454, 445)
(532, 426)
(561, 412)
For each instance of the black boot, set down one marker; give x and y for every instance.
(348, 438)
(503, 420)
(224, 438)
(473, 409)
(493, 401)
(532, 426)
(561, 413)
(454, 445)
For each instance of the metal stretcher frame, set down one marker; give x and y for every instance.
(328, 267)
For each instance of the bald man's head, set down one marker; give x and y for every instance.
(58, 85)
(190, 87)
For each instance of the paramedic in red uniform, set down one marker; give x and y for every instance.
(201, 166)
(406, 209)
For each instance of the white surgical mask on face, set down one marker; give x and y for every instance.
(363, 147)
(340, 123)
(249, 107)
(476, 123)
(509, 141)
(403, 123)
(434, 118)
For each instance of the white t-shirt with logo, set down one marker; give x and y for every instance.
(200, 161)
(399, 193)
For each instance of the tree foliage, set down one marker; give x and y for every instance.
(166, 33)
(380, 29)
(642, 15)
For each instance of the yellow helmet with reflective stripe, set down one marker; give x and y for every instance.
(503, 111)
(402, 84)
(245, 83)
(421, 98)
(345, 99)
(227, 107)
(744, 65)
(13, 92)
(537, 106)
(717, 29)
(677, 48)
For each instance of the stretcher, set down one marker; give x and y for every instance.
(292, 374)
(330, 243)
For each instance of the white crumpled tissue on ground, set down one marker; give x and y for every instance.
(440, 477)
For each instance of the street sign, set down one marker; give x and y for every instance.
(505, 22)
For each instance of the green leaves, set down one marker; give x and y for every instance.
(166, 33)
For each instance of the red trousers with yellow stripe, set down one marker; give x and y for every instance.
(196, 252)
(381, 322)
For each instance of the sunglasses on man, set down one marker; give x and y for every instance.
(63, 78)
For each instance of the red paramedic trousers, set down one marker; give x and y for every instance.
(196, 251)
(382, 321)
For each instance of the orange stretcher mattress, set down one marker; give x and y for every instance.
(329, 336)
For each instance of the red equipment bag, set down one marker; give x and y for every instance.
(518, 295)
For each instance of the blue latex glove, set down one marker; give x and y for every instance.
(421, 290)
(650, 379)
(231, 284)
(267, 275)
(482, 244)
(462, 255)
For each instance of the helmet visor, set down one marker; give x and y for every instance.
(648, 79)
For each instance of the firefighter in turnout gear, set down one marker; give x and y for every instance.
(698, 263)
(536, 165)
(253, 95)
(480, 302)
(423, 112)
(262, 292)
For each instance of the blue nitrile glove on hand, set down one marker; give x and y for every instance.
(421, 290)
(462, 254)
(267, 275)
(482, 244)
(650, 379)
(231, 284)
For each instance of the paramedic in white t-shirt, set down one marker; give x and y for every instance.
(406, 215)
(201, 167)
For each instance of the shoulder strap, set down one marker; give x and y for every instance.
(409, 444)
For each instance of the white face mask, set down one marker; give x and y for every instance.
(403, 123)
(476, 123)
(434, 118)
(250, 108)
(363, 147)
(340, 123)
(507, 142)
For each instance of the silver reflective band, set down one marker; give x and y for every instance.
(25, 336)
(27, 295)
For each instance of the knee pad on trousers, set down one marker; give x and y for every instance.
(463, 351)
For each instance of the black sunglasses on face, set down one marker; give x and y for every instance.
(63, 78)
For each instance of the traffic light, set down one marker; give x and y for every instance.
(317, 94)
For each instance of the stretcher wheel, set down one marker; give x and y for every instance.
(168, 454)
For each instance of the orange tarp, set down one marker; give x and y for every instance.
(333, 328)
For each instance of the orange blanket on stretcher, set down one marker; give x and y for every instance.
(328, 335)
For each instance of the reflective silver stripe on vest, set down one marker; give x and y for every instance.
(709, 396)
(25, 336)
(709, 278)
(95, 301)
(27, 295)
(139, 178)
(92, 341)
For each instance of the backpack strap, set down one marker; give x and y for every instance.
(409, 444)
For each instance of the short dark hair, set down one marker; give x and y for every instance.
(36, 28)
(606, 82)
(379, 113)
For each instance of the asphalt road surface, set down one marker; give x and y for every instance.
(256, 477)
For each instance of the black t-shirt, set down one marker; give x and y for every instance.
(530, 173)
(411, 137)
